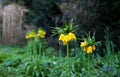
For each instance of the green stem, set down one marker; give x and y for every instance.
(40, 51)
(60, 49)
(31, 48)
(88, 65)
(69, 75)
(32, 51)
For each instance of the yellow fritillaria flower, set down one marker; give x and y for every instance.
(83, 44)
(89, 43)
(66, 39)
(33, 34)
(64, 42)
(89, 50)
(61, 37)
(30, 35)
(94, 48)
(41, 33)
(84, 49)
(27, 37)
(72, 36)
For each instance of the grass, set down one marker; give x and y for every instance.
(15, 62)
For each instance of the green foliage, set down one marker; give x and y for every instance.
(18, 62)
(3, 56)
(35, 50)
(69, 27)
(90, 39)
(36, 69)
(20, 65)
(36, 46)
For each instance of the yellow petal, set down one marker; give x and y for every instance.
(72, 36)
(66, 38)
(33, 35)
(89, 49)
(83, 44)
(61, 37)
(64, 42)
(84, 49)
(27, 37)
(41, 33)
(94, 48)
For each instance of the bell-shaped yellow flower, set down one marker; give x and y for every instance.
(83, 44)
(64, 39)
(27, 37)
(84, 49)
(94, 48)
(61, 37)
(41, 33)
(64, 42)
(30, 35)
(89, 50)
(33, 35)
(71, 36)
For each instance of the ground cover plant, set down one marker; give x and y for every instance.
(82, 59)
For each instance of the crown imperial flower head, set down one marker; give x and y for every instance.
(67, 38)
(33, 34)
(88, 45)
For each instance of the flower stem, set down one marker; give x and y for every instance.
(68, 60)
(60, 49)
(88, 65)
(40, 51)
